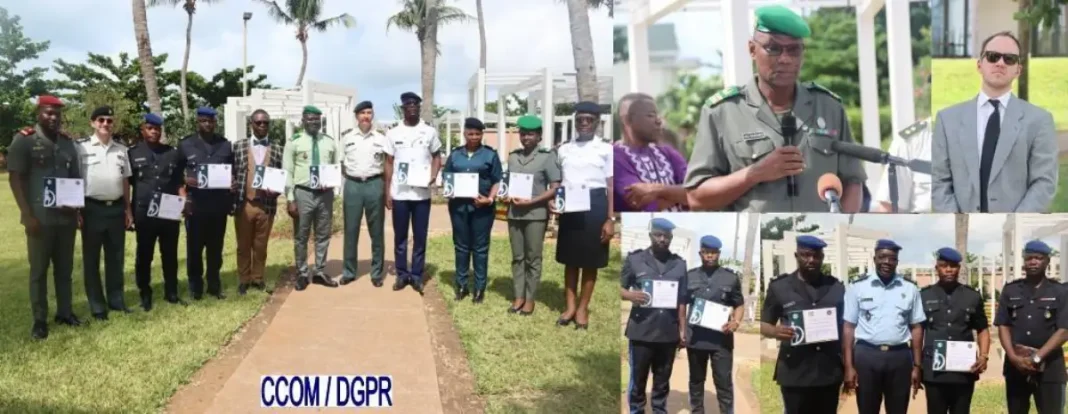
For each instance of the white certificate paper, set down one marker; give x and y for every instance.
(413, 174)
(166, 206)
(663, 294)
(954, 356)
(325, 176)
(573, 198)
(270, 179)
(708, 314)
(465, 185)
(521, 186)
(214, 176)
(813, 326)
(63, 192)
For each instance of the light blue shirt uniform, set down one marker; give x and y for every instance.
(882, 312)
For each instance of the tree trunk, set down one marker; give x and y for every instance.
(185, 65)
(582, 48)
(961, 243)
(481, 35)
(303, 61)
(144, 54)
(429, 60)
(753, 229)
(1023, 30)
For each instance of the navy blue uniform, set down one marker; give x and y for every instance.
(723, 286)
(471, 225)
(1033, 315)
(155, 169)
(206, 227)
(952, 315)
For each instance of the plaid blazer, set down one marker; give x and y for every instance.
(240, 173)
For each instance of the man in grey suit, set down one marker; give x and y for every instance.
(995, 153)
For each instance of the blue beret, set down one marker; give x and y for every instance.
(884, 244)
(153, 119)
(949, 254)
(587, 107)
(810, 242)
(711, 242)
(662, 224)
(206, 111)
(410, 96)
(364, 105)
(1037, 246)
(474, 123)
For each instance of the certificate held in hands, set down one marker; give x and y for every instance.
(520, 186)
(461, 185)
(572, 199)
(166, 206)
(269, 179)
(214, 176)
(63, 192)
(413, 175)
(325, 176)
(813, 326)
(663, 294)
(709, 315)
(953, 356)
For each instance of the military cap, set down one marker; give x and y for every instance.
(206, 111)
(101, 111)
(778, 19)
(410, 96)
(810, 242)
(528, 122)
(153, 119)
(474, 123)
(1037, 246)
(711, 242)
(949, 254)
(363, 105)
(49, 100)
(886, 244)
(311, 109)
(662, 224)
(587, 107)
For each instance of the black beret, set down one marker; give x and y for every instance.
(474, 123)
(363, 105)
(587, 107)
(408, 96)
(101, 111)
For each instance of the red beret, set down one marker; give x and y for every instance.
(48, 100)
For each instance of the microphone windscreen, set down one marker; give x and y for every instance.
(826, 182)
(789, 125)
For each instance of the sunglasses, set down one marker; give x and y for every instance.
(585, 119)
(105, 121)
(1009, 58)
(261, 123)
(775, 49)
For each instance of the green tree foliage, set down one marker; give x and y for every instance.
(681, 105)
(17, 85)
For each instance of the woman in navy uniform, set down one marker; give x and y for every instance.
(472, 219)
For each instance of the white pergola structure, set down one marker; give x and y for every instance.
(1021, 228)
(847, 246)
(336, 102)
(545, 90)
(738, 68)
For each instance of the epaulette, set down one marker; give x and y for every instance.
(489, 147)
(346, 131)
(860, 278)
(544, 150)
(780, 277)
(636, 251)
(82, 140)
(1016, 281)
(27, 131)
(913, 129)
(910, 281)
(722, 95)
(813, 86)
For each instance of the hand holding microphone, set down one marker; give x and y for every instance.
(830, 191)
(788, 124)
(781, 162)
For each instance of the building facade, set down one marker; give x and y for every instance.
(958, 28)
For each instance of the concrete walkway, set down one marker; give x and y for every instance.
(351, 330)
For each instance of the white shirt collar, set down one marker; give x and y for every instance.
(1003, 100)
(95, 140)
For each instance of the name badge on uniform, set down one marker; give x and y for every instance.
(789, 304)
(753, 136)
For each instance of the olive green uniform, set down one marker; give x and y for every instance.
(526, 225)
(738, 128)
(36, 157)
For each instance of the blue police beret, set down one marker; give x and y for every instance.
(810, 242)
(1037, 246)
(153, 119)
(474, 123)
(949, 254)
(587, 107)
(885, 244)
(662, 224)
(711, 242)
(363, 105)
(206, 111)
(410, 96)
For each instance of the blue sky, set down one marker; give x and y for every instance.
(721, 225)
(379, 64)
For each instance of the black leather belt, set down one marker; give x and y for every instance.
(883, 348)
(106, 203)
(364, 179)
(314, 190)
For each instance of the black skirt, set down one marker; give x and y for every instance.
(578, 241)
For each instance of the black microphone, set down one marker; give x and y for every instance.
(789, 128)
(861, 152)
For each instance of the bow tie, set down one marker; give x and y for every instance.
(260, 142)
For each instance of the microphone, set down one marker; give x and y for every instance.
(789, 128)
(830, 189)
(878, 156)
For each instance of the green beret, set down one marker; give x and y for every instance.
(311, 109)
(777, 19)
(529, 122)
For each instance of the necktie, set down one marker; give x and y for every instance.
(315, 150)
(990, 143)
(261, 142)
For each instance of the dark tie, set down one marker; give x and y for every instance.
(990, 143)
(261, 142)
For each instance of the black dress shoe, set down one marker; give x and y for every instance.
(377, 283)
(39, 331)
(262, 287)
(418, 286)
(461, 294)
(400, 284)
(242, 289)
(302, 282)
(219, 296)
(100, 316)
(175, 300)
(479, 296)
(324, 280)
(197, 295)
(564, 322)
(347, 280)
(71, 320)
(122, 309)
(525, 313)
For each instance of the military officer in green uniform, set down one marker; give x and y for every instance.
(35, 155)
(527, 218)
(763, 146)
(472, 218)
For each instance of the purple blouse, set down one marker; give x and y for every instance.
(657, 164)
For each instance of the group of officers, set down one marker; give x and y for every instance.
(887, 331)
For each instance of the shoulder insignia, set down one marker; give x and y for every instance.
(545, 151)
(82, 140)
(914, 129)
(1020, 280)
(27, 131)
(489, 148)
(813, 86)
(861, 278)
(931, 286)
(636, 252)
(517, 150)
(909, 280)
(346, 131)
(780, 277)
(968, 287)
(723, 95)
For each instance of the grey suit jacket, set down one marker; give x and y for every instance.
(1023, 176)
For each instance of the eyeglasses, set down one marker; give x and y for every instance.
(1009, 58)
(585, 119)
(261, 123)
(105, 121)
(775, 49)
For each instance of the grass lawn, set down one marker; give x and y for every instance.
(129, 364)
(1060, 199)
(528, 364)
(956, 80)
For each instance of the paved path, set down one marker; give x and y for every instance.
(354, 329)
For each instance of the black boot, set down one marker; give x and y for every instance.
(479, 296)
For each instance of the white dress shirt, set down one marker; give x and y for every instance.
(985, 109)
(364, 152)
(914, 190)
(586, 163)
(105, 168)
(412, 144)
(259, 151)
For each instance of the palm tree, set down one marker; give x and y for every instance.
(305, 15)
(144, 53)
(481, 35)
(960, 228)
(190, 7)
(582, 46)
(423, 17)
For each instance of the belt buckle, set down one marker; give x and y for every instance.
(884, 348)
(108, 203)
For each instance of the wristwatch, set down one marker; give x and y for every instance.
(1036, 359)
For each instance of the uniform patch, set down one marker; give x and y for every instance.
(723, 95)
(753, 136)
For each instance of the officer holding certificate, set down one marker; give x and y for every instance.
(954, 311)
(157, 168)
(1032, 327)
(308, 203)
(472, 218)
(809, 366)
(654, 279)
(711, 286)
(882, 316)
